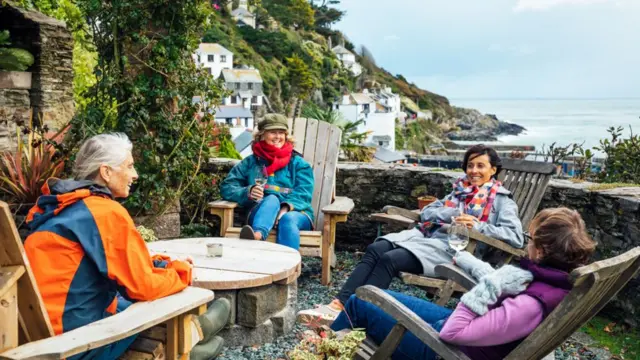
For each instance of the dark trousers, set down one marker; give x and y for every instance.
(379, 265)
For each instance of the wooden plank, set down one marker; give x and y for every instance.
(222, 204)
(424, 281)
(327, 183)
(532, 207)
(227, 243)
(31, 306)
(501, 245)
(390, 343)
(172, 338)
(529, 166)
(307, 238)
(340, 206)
(445, 293)
(319, 167)
(517, 194)
(310, 140)
(299, 132)
(528, 193)
(138, 317)
(9, 275)
(213, 279)
(9, 317)
(397, 220)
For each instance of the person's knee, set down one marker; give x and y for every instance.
(271, 199)
(388, 262)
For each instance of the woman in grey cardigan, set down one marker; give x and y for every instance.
(488, 208)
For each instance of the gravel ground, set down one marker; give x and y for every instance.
(311, 293)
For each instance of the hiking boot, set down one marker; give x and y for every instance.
(207, 350)
(247, 233)
(214, 319)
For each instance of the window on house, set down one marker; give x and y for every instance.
(199, 58)
(229, 121)
(223, 58)
(254, 99)
(380, 143)
(234, 99)
(246, 122)
(210, 71)
(210, 58)
(237, 86)
(250, 85)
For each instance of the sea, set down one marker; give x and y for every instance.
(563, 121)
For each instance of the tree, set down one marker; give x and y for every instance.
(146, 83)
(299, 77)
(325, 16)
(297, 13)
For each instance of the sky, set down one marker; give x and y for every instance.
(504, 49)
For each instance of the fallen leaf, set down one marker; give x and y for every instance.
(609, 327)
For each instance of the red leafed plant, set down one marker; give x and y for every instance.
(23, 172)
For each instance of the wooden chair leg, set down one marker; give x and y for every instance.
(444, 295)
(390, 343)
(172, 339)
(226, 219)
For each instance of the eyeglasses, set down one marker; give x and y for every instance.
(527, 236)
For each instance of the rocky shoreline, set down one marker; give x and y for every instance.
(472, 125)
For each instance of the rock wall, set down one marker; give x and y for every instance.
(612, 216)
(51, 93)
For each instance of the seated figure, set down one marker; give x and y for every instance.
(504, 307)
(88, 259)
(478, 200)
(275, 182)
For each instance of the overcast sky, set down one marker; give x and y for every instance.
(504, 48)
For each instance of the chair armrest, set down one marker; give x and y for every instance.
(135, 319)
(407, 318)
(409, 214)
(501, 245)
(222, 204)
(340, 206)
(455, 273)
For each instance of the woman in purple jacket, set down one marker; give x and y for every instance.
(504, 307)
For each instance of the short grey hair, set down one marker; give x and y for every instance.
(104, 149)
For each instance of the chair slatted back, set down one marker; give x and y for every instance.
(594, 286)
(527, 181)
(319, 142)
(34, 320)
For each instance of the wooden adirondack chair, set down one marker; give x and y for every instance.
(527, 181)
(319, 142)
(593, 286)
(24, 320)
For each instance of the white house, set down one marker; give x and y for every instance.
(378, 121)
(214, 57)
(387, 98)
(348, 59)
(246, 85)
(243, 16)
(242, 143)
(238, 118)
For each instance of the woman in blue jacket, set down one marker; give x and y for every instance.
(284, 201)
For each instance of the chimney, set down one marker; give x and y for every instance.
(242, 4)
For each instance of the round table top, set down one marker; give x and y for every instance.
(244, 263)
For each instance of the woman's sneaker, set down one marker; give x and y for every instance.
(322, 315)
(247, 233)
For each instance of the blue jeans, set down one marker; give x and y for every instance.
(263, 217)
(111, 351)
(378, 324)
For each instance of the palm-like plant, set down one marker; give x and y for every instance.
(23, 172)
(351, 143)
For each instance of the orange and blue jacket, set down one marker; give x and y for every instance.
(84, 250)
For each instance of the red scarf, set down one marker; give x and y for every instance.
(276, 157)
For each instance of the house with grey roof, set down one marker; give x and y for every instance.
(213, 57)
(243, 16)
(242, 143)
(246, 84)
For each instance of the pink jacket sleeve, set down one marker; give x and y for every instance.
(516, 318)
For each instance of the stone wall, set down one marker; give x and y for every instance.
(612, 216)
(51, 93)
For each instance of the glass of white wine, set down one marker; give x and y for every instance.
(261, 178)
(458, 237)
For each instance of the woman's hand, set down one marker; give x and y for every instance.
(257, 193)
(466, 220)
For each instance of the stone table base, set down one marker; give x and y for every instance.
(259, 315)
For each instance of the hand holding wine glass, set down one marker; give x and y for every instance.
(260, 178)
(458, 237)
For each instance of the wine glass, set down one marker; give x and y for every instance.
(458, 237)
(260, 178)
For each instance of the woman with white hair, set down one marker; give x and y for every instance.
(91, 260)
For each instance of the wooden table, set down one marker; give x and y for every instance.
(244, 263)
